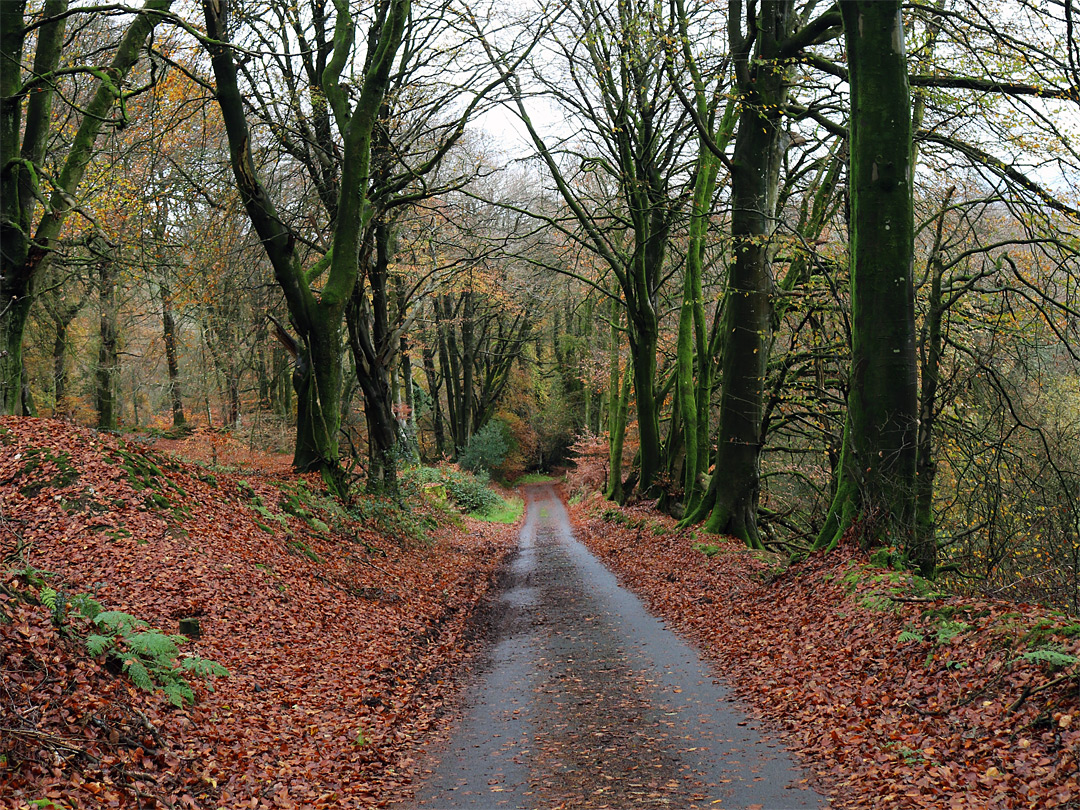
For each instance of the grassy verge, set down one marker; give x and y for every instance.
(508, 512)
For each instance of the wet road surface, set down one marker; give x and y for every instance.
(585, 700)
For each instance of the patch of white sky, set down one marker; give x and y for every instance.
(510, 27)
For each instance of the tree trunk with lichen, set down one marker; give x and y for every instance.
(875, 492)
(316, 314)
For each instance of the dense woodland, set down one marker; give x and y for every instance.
(797, 270)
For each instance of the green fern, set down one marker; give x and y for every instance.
(908, 635)
(48, 598)
(139, 674)
(152, 644)
(117, 621)
(1055, 658)
(56, 602)
(96, 645)
(948, 630)
(179, 693)
(85, 604)
(203, 667)
(149, 657)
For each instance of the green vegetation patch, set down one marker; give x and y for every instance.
(35, 462)
(151, 658)
(509, 512)
(534, 478)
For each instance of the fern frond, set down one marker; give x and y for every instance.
(138, 673)
(117, 621)
(86, 605)
(908, 635)
(154, 645)
(1054, 658)
(48, 598)
(203, 667)
(178, 692)
(96, 644)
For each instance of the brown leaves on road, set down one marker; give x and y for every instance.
(896, 699)
(340, 642)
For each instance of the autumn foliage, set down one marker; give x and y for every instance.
(341, 635)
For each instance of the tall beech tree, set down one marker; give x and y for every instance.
(763, 44)
(26, 100)
(316, 314)
(875, 490)
(430, 94)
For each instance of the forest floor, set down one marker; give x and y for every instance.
(343, 638)
(347, 641)
(894, 696)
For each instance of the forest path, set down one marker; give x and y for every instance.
(585, 700)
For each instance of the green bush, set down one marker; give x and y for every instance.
(470, 492)
(487, 449)
(467, 492)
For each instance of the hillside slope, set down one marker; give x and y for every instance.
(340, 640)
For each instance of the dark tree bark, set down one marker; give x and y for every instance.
(372, 347)
(761, 56)
(435, 392)
(875, 492)
(317, 318)
(107, 372)
(62, 311)
(172, 361)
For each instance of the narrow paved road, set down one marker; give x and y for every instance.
(587, 701)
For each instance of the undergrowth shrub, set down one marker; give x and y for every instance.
(391, 518)
(470, 491)
(467, 491)
(487, 449)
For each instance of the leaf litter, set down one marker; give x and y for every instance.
(342, 644)
(957, 714)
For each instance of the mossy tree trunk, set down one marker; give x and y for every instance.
(875, 492)
(317, 315)
(107, 371)
(370, 338)
(760, 49)
(172, 357)
(617, 411)
(694, 358)
(931, 349)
